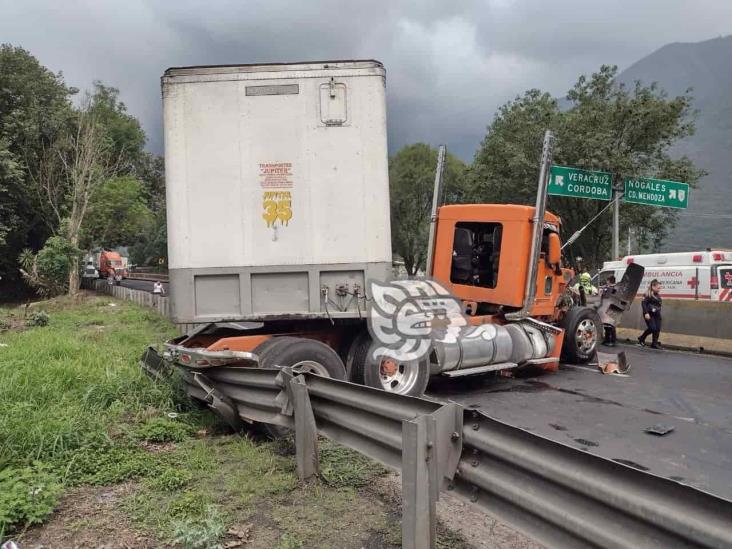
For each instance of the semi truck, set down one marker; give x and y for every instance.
(279, 238)
(108, 263)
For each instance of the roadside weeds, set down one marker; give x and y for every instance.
(120, 461)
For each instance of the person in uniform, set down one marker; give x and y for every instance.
(652, 314)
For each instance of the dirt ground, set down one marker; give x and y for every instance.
(89, 517)
(475, 529)
(92, 517)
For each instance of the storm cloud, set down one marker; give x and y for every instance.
(449, 64)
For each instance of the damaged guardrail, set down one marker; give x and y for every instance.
(560, 496)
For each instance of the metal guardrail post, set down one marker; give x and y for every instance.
(448, 441)
(420, 484)
(306, 432)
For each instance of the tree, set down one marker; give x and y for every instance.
(606, 126)
(89, 160)
(77, 174)
(153, 244)
(118, 214)
(34, 107)
(55, 158)
(127, 138)
(411, 183)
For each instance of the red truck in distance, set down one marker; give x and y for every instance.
(111, 263)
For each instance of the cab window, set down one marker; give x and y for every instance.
(476, 253)
(602, 278)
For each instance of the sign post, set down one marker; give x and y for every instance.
(617, 194)
(567, 181)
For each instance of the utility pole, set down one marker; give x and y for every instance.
(617, 194)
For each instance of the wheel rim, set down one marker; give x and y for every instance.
(586, 335)
(398, 377)
(311, 367)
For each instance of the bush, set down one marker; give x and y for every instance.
(162, 429)
(38, 318)
(48, 270)
(27, 496)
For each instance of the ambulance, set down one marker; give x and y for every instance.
(705, 275)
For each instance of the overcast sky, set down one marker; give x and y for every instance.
(450, 63)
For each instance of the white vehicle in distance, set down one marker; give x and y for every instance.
(90, 268)
(703, 275)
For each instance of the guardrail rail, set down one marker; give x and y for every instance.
(556, 494)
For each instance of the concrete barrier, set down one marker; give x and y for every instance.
(687, 317)
(160, 303)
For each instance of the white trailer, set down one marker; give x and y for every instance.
(277, 189)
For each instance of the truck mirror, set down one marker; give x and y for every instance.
(555, 249)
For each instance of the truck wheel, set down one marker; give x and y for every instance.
(408, 377)
(263, 348)
(302, 355)
(582, 332)
(356, 359)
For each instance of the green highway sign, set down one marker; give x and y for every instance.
(656, 192)
(565, 181)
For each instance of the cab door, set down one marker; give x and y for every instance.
(721, 283)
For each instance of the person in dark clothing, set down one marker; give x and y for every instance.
(610, 335)
(652, 314)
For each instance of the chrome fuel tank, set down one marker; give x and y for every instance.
(491, 344)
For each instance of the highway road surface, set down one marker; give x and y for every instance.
(607, 414)
(144, 285)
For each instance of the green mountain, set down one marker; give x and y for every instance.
(706, 68)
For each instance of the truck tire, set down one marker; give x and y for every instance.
(356, 359)
(302, 355)
(582, 333)
(262, 349)
(409, 377)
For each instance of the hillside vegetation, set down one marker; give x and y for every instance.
(705, 67)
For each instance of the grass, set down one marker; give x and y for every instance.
(78, 414)
(65, 385)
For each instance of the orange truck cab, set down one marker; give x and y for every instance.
(111, 262)
(480, 255)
